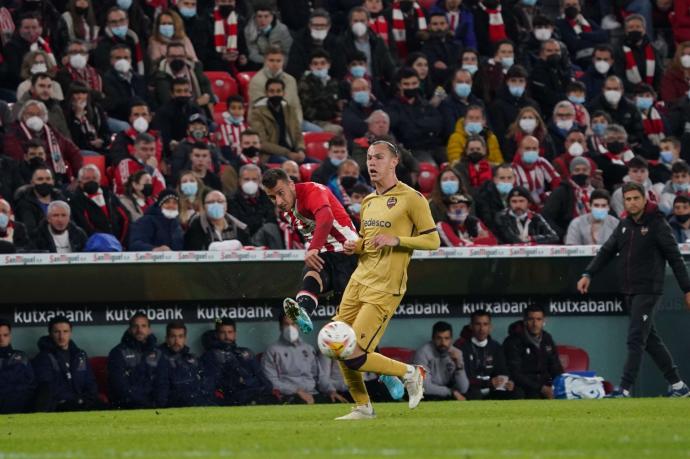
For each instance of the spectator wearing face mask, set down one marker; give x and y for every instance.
(137, 196)
(549, 77)
(75, 68)
(563, 120)
(274, 61)
(142, 158)
(679, 220)
(622, 111)
(344, 180)
(533, 32)
(575, 147)
(191, 191)
(528, 121)
(251, 205)
(337, 154)
(159, 229)
(474, 167)
(359, 192)
(654, 120)
(214, 224)
(78, 22)
(519, 225)
(318, 35)
(580, 35)
(360, 106)
(510, 101)
(230, 129)
(448, 183)
(33, 200)
(492, 197)
(33, 158)
(56, 233)
(575, 92)
(669, 153)
(168, 28)
(290, 365)
(117, 33)
(36, 62)
(600, 122)
(491, 74)
(318, 93)
(638, 172)
(599, 69)
(474, 123)
(179, 63)
(459, 228)
(678, 185)
(614, 156)
(183, 156)
(172, 117)
(636, 59)
(447, 379)
(595, 227)
(87, 121)
(533, 172)
(572, 198)
(121, 83)
(11, 231)
(139, 118)
(459, 99)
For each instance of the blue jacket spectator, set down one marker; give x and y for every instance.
(159, 228)
(17, 380)
(64, 376)
(137, 371)
(233, 373)
(460, 23)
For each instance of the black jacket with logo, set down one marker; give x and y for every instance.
(532, 367)
(642, 249)
(483, 363)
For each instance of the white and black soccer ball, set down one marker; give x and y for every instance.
(337, 340)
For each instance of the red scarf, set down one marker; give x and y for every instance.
(632, 72)
(88, 75)
(479, 173)
(497, 29)
(379, 26)
(399, 32)
(581, 205)
(579, 24)
(224, 32)
(653, 126)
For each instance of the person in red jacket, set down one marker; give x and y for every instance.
(459, 228)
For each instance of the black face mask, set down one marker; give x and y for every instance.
(176, 65)
(90, 187)
(147, 190)
(405, 7)
(615, 147)
(682, 218)
(632, 38)
(275, 100)
(571, 12)
(410, 93)
(439, 34)
(43, 189)
(580, 179)
(475, 157)
(250, 152)
(225, 10)
(348, 182)
(80, 10)
(554, 60)
(181, 100)
(35, 162)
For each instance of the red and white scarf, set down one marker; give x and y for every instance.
(497, 29)
(138, 57)
(536, 177)
(99, 200)
(379, 26)
(51, 140)
(42, 45)
(579, 24)
(581, 205)
(653, 126)
(399, 33)
(632, 72)
(224, 32)
(88, 75)
(229, 135)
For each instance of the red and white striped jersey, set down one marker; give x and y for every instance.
(310, 198)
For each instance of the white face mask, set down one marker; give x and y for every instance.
(359, 29)
(685, 61)
(319, 34)
(542, 34)
(566, 125)
(250, 188)
(39, 68)
(602, 67)
(576, 149)
(34, 123)
(140, 124)
(290, 334)
(168, 213)
(613, 97)
(528, 125)
(122, 66)
(78, 61)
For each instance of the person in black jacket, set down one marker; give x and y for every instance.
(159, 229)
(485, 362)
(492, 196)
(337, 153)
(86, 119)
(318, 34)
(532, 356)
(56, 233)
(11, 231)
(172, 117)
(233, 373)
(17, 381)
(459, 99)
(510, 99)
(643, 243)
(121, 84)
(137, 371)
(96, 209)
(32, 200)
(519, 225)
(65, 379)
(186, 376)
(549, 78)
(442, 52)
(361, 105)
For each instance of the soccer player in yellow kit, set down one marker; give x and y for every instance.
(396, 220)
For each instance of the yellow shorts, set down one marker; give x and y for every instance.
(368, 311)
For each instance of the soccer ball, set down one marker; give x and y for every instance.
(337, 340)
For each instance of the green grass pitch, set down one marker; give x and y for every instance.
(653, 428)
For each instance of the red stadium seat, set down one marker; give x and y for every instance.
(427, 177)
(243, 79)
(305, 171)
(99, 365)
(99, 162)
(223, 86)
(401, 354)
(316, 144)
(573, 358)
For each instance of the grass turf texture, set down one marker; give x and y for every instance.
(654, 428)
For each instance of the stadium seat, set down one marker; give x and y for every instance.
(243, 79)
(99, 162)
(99, 365)
(427, 177)
(223, 86)
(573, 358)
(401, 354)
(316, 144)
(305, 171)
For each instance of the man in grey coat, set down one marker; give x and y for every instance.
(597, 225)
(447, 379)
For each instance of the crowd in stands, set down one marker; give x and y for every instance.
(141, 373)
(146, 124)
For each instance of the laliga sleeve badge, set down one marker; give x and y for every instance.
(392, 201)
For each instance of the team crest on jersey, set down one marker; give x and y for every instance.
(391, 202)
(644, 230)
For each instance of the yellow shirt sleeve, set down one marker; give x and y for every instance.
(425, 237)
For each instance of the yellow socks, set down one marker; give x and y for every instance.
(377, 363)
(355, 383)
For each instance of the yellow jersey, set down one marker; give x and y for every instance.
(400, 211)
